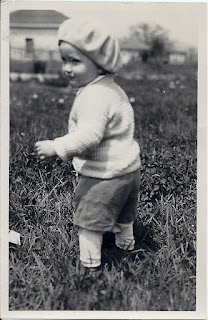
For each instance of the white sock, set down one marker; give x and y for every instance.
(125, 237)
(90, 247)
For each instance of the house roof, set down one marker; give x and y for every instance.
(131, 44)
(36, 18)
(177, 52)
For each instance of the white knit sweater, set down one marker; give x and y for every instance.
(101, 128)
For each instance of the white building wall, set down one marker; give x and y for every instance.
(43, 38)
(127, 56)
(177, 58)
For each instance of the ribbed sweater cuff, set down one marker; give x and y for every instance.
(59, 148)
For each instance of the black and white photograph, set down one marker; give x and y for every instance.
(104, 155)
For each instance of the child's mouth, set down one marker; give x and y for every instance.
(71, 80)
(67, 74)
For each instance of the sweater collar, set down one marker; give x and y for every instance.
(90, 83)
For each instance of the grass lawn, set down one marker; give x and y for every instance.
(161, 273)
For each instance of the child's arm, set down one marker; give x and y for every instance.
(88, 134)
(92, 118)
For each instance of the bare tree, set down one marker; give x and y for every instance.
(154, 36)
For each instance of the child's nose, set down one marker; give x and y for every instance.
(67, 69)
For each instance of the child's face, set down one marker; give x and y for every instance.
(80, 69)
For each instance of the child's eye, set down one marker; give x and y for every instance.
(73, 60)
(63, 59)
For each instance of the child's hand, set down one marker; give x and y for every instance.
(45, 149)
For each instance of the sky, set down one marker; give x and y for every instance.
(180, 19)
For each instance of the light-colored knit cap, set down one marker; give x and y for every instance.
(93, 40)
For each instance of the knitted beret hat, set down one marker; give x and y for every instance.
(93, 40)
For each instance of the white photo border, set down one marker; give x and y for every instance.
(201, 291)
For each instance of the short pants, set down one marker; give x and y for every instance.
(101, 203)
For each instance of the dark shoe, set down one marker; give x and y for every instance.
(92, 272)
(113, 255)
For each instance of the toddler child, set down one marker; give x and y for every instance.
(100, 140)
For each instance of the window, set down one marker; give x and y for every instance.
(29, 45)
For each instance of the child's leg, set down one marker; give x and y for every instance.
(90, 247)
(125, 237)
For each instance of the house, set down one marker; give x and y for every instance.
(133, 50)
(33, 38)
(177, 57)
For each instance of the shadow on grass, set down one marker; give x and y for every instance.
(144, 242)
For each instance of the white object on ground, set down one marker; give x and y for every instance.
(14, 237)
